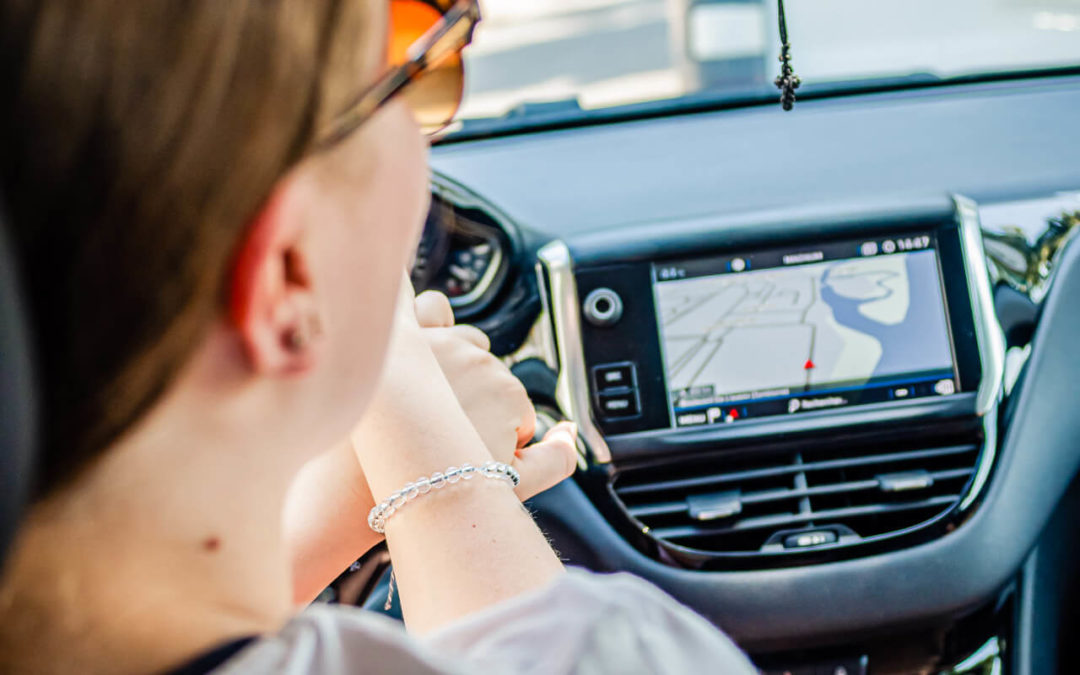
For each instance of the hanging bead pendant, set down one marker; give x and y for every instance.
(787, 81)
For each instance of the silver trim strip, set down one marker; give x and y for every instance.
(572, 386)
(985, 462)
(988, 333)
(989, 337)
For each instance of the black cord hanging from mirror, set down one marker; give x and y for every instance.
(787, 81)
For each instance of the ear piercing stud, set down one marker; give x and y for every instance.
(298, 337)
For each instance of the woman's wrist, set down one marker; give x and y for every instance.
(439, 480)
(460, 551)
(417, 415)
(325, 515)
(409, 459)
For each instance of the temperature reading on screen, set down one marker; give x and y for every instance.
(913, 243)
(670, 273)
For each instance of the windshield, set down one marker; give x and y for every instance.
(605, 53)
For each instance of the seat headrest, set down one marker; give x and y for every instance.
(18, 421)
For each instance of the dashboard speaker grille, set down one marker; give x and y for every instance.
(757, 501)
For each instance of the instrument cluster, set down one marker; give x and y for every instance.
(462, 254)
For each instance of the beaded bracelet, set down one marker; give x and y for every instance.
(381, 512)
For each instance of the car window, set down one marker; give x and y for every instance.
(603, 53)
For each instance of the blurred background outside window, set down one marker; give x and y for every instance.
(609, 52)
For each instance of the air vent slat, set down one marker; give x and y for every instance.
(785, 521)
(864, 490)
(807, 467)
(671, 507)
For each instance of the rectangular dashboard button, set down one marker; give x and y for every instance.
(616, 376)
(619, 405)
(810, 539)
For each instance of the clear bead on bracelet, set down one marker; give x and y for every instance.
(381, 512)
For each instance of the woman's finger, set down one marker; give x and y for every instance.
(527, 429)
(516, 394)
(548, 462)
(433, 310)
(472, 335)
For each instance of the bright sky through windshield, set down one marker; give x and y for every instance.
(609, 52)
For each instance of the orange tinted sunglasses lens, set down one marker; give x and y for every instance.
(435, 95)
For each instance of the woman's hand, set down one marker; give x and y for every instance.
(459, 550)
(494, 400)
(327, 508)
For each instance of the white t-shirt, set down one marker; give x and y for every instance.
(583, 623)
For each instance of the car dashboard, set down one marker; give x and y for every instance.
(822, 363)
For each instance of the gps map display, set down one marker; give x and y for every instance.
(797, 331)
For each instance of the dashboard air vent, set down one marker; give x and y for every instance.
(762, 501)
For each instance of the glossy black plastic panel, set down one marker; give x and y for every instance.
(634, 339)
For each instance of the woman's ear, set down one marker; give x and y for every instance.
(272, 304)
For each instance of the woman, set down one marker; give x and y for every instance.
(213, 227)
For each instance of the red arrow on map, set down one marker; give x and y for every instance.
(809, 365)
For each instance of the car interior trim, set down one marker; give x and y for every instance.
(988, 333)
(767, 608)
(572, 390)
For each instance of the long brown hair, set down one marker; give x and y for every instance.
(137, 138)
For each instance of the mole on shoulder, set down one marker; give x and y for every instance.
(212, 543)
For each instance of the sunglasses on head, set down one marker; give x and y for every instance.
(426, 68)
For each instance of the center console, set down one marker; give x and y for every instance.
(771, 396)
(753, 334)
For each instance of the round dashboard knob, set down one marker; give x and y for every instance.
(603, 307)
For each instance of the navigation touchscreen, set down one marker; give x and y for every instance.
(789, 332)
